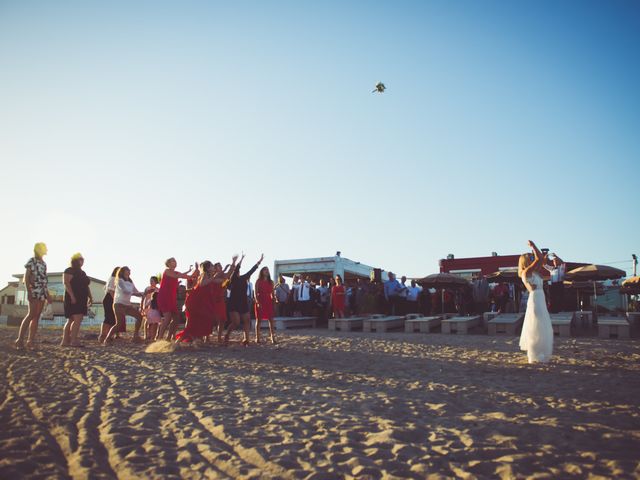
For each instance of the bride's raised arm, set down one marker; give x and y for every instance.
(537, 260)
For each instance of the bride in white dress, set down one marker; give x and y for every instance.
(537, 334)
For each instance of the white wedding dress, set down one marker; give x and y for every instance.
(537, 334)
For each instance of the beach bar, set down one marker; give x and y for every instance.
(324, 267)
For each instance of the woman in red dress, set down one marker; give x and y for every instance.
(264, 303)
(167, 295)
(337, 298)
(205, 303)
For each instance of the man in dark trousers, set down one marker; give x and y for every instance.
(557, 269)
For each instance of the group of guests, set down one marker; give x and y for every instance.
(215, 299)
(219, 299)
(334, 297)
(77, 298)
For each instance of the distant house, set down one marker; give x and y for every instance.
(14, 303)
(8, 294)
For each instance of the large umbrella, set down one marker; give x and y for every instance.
(443, 280)
(593, 273)
(631, 286)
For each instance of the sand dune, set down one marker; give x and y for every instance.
(321, 406)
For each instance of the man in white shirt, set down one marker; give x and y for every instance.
(304, 296)
(557, 269)
(413, 294)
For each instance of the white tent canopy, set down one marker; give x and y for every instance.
(324, 267)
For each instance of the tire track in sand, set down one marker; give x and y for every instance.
(53, 443)
(221, 459)
(91, 452)
(248, 455)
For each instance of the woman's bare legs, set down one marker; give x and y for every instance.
(71, 330)
(173, 326)
(104, 332)
(234, 318)
(166, 318)
(257, 330)
(246, 327)
(30, 324)
(153, 330)
(75, 329)
(272, 331)
(120, 319)
(135, 313)
(220, 329)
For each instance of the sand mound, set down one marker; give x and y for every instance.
(161, 346)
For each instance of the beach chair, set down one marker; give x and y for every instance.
(460, 325)
(382, 324)
(505, 324)
(561, 323)
(418, 323)
(613, 327)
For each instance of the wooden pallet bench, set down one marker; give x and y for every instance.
(583, 319)
(561, 323)
(486, 316)
(284, 323)
(418, 323)
(460, 325)
(382, 324)
(505, 324)
(348, 324)
(613, 327)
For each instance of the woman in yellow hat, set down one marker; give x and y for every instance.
(35, 280)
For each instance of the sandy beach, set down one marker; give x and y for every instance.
(321, 405)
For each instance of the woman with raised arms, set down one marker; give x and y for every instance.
(167, 295)
(537, 333)
(238, 301)
(203, 302)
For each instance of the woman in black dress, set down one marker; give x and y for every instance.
(77, 298)
(107, 302)
(238, 301)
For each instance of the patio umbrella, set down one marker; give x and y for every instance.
(593, 273)
(443, 280)
(631, 286)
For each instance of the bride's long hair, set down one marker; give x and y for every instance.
(523, 262)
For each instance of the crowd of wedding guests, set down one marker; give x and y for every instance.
(211, 300)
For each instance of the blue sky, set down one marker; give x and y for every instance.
(136, 131)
